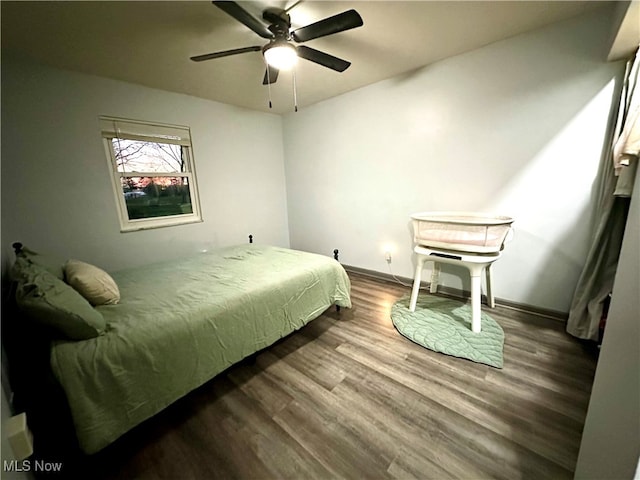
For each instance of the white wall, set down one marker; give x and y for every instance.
(610, 445)
(56, 189)
(516, 128)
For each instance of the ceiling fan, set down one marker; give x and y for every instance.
(280, 53)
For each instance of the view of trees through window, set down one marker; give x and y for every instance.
(154, 178)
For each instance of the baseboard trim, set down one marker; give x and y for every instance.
(457, 293)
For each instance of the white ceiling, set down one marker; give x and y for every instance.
(150, 43)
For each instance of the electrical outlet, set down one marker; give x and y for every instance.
(387, 256)
(19, 435)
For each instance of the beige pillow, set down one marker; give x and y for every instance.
(93, 283)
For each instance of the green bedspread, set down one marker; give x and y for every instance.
(180, 323)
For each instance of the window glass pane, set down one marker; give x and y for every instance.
(148, 197)
(139, 156)
(153, 173)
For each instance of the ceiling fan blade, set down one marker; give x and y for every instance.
(244, 17)
(270, 75)
(322, 58)
(338, 23)
(225, 53)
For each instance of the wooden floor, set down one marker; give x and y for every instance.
(348, 397)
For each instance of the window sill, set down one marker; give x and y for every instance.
(151, 224)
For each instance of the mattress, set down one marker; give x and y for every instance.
(180, 323)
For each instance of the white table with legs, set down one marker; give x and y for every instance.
(476, 263)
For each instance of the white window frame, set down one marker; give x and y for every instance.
(111, 128)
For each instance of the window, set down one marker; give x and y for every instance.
(153, 173)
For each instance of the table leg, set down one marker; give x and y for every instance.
(435, 277)
(476, 326)
(416, 283)
(491, 302)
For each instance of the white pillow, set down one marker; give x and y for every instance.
(93, 283)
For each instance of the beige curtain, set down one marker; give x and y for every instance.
(596, 281)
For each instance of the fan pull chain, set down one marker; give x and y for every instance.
(269, 85)
(295, 92)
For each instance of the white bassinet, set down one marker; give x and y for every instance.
(472, 240)
(461, 231)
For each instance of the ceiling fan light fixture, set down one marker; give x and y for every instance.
(281, 55)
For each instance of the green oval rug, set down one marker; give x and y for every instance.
(444, 325)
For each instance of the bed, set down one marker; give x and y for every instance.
(179, 323)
